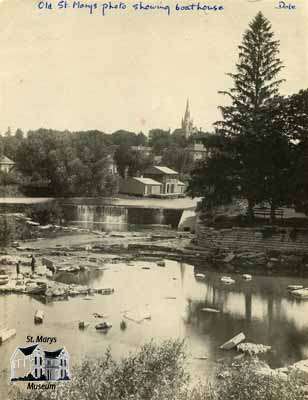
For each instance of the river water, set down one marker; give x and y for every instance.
(261, 308)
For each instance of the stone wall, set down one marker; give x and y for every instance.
(263, 238)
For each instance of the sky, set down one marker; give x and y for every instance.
(69, 69)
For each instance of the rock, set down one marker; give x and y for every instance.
(236, 340)
(39, 317)
(105, 291)
(123, 325)
(103, 326)
(252, 348)
(301, 368)
(6, 334)
(161, 263)
(269, 265)
(83, 324)
(137, 315)
(224, 374)
(274, 373)
(227, 280)
(229, 258)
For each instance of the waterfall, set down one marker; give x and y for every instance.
(105, 218)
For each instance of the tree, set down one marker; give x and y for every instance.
(123, 157)
(141, 139)
(215, 179)
(246, 121)
(295, 117)
(159, 140)
(123, 137)
(178, 158)
(131, 162)
(70, 163)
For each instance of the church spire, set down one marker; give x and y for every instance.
(187, 112)
(187, 122)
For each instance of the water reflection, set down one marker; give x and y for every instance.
(261, 308)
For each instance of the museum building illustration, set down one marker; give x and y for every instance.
(34, 364)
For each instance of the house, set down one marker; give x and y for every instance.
(144, 150)
(28, 363)
(6, 165)
(140, 186)
(171, 185)
(32, 363)
(198, 151)
(111, 165)
(56, 365)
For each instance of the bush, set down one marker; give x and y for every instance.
(7, 230)
(246, 383)
(153, 370)
(156, 372)
(46, 213)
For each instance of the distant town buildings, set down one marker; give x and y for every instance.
(6, 164)
(144, 150)
(197, 150)
(157, 181)
(111, 165)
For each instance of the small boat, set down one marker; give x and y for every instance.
(39, 317)
(103, 326)
(295, 287)
(146, 267)
(300, 293)
(227, 280)
(210, 310)
(200, 276)
(247, 277)
(230, 344)
(161, 263)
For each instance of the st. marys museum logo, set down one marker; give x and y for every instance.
(34, 364)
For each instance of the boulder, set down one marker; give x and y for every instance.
(301, 368)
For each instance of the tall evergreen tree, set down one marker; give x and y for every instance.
(245, 119)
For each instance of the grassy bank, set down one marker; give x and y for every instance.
(157, 372)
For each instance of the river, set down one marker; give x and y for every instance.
(261, 308)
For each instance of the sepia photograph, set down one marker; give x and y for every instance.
(154, 200)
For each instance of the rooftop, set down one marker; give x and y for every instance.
(28, 350)
(147, 181)
(141, 148)
(161, 170)
(53, 354)
(6, 160)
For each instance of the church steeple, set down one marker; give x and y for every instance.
(187, 112)
(187, 122)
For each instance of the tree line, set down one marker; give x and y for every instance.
(68, 163)
(259, 150)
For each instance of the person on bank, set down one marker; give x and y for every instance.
(18, 268)
(33, 263)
